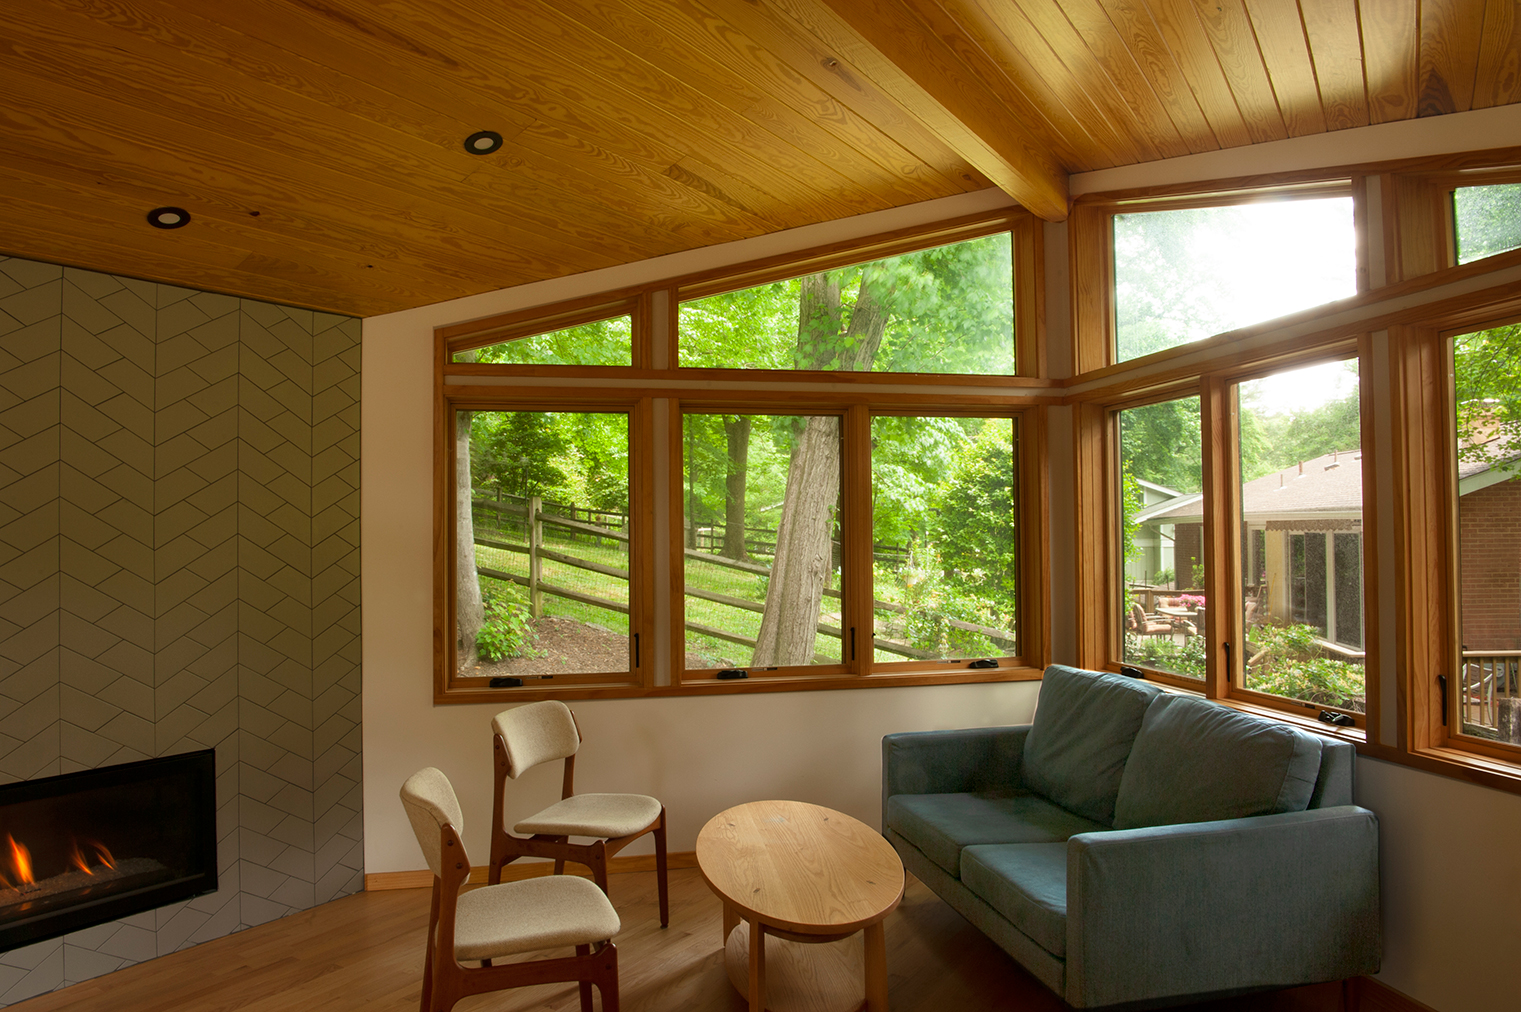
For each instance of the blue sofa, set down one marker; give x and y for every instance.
(1137, 847)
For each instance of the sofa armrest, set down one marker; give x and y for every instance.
(1210, 906)
(952, 762)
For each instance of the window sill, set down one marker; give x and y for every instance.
(1496, 774)
(714, 687)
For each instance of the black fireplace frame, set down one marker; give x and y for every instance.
(199, 772)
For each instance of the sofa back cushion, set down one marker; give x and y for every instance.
(1084, 726)
(1197, 761)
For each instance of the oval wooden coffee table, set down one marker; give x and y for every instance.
(801, 873)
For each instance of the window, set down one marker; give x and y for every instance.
(1486, 220)
(1299, 454)
(1486, 377)
(542, 534)
(1163, 606)
(795, 474)
(764, 554)
(945, 538)
(1185, 274)
(600, 342)
(948, 309)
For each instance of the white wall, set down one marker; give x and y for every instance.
(1452, 898)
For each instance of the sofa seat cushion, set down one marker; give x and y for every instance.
(1027, 883)
(1085, 724)
(1197, 761)
(940, 825)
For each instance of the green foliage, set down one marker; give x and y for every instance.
(1289, 662)
(1130, 504)
(1487, 374)
(577, 457)
(1161, 653)
(932, 600)
(1487, 219)
(507, 630)
(1272, 440)
(1162, 576)
(975, 524)
(605, 342)
(949, 310)
(1160, 443)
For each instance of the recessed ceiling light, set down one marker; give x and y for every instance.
(168, 217)
(483, 142)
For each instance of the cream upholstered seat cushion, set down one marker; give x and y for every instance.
(536, 913)
(601, 815)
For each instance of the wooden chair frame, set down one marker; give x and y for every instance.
(506, 848)
(446, 981)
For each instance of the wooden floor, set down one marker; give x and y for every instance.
(365, 952)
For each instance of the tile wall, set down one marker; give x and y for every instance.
(179, 569)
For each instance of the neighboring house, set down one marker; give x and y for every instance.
(1303, 547)
(1153, 544)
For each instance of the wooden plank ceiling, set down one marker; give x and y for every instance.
(318, 144)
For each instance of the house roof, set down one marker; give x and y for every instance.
(319, 147)
(1328, 486)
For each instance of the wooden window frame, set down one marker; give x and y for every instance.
(653, 387)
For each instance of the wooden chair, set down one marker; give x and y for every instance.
(494, 921)
(534, 733)
(1147, 625)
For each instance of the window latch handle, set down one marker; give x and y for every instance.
(1442, 688)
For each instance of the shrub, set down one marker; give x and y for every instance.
(507, 631)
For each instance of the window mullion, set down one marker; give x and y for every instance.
(1218, 437)
(855, 476)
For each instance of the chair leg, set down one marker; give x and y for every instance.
(584, 986)
(660, 876)
(607, 980)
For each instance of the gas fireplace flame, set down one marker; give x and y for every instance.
(77, 859)
(103, 854)
(21, 861)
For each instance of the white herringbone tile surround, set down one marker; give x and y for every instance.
(179, 569)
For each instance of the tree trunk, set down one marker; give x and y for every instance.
(469, 610)
(737, 435)
(803, 563)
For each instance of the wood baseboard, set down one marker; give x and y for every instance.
(528, 869)
(1370, 995)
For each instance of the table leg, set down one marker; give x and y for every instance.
(731, 921)
(876, 968)
(757, 967)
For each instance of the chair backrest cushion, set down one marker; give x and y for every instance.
(1197, 761)
(1084, 725)
(536, 733)
(429, 800)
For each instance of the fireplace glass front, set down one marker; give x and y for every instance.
(89, 847)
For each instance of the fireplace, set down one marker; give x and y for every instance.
(85, 848)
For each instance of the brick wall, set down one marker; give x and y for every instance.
(1490, 566)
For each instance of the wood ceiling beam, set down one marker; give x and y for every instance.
(1000, 132)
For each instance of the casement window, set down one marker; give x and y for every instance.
(1155, 274)
(805, 473)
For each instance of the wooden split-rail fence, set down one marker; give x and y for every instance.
(535, 518)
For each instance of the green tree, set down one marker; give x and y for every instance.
(976, 525)
(1487, 376)
(1160, 443)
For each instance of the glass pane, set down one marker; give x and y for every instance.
(1487, 220)
(1302, 506)
(545, 589)
(1162, 600)
(1181, 276)
(943, 310)
(606, 342)
(761, 501)
(944, 541)
(1487, 373)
